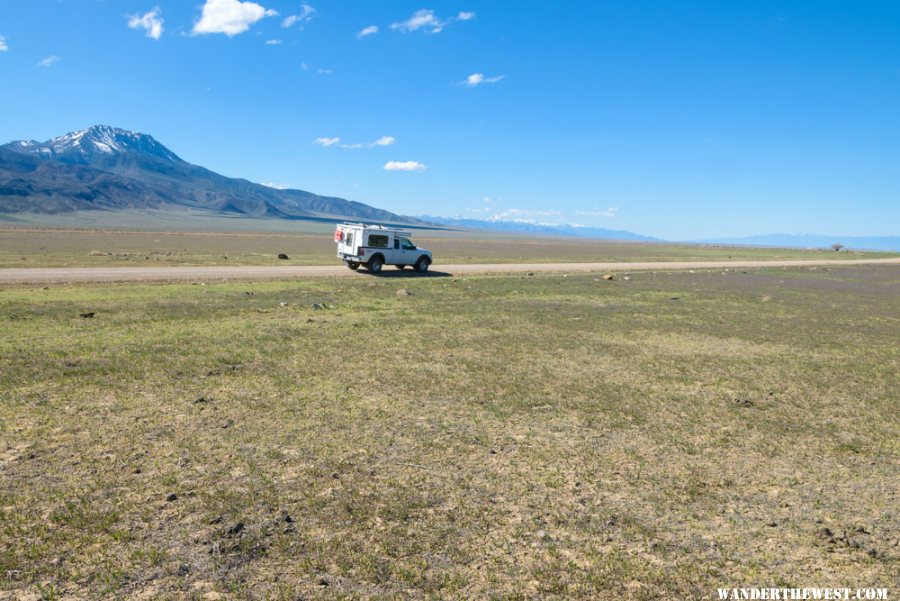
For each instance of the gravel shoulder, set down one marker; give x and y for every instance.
(56, 275)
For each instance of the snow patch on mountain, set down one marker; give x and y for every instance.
(80, 146)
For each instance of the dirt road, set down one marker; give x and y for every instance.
(55, 275)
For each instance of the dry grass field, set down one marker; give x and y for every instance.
(312, 245)
(507, 437)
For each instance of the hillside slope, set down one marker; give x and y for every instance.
(108, 168)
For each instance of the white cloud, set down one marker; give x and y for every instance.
(426, 19)
(523, 215)
(608, 213)
(3, 46)
(49, 61)
(306, 15)
(230, 17)
(276, 186)
(273, 42)
(321, 71)
(404, 166)
(477, 79)
(419, 19)
(326, 141)
(151, 22)
(370, 30)
(382, 141)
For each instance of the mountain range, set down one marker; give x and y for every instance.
(878, 243)
(106, 168)
(541, 229)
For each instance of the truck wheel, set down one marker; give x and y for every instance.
(375, 264)
(422, 265)
(354, 265)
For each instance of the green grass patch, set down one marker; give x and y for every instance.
(485, 437)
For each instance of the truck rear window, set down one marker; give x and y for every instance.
(348, 240)
(378, 241)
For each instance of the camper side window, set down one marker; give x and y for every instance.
(348, 240)
(378, 241)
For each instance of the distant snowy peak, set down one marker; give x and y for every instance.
(82, 146)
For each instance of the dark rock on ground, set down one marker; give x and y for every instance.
(236, 529)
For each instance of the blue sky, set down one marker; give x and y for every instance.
(674, 119)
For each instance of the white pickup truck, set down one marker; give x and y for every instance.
(376, 245)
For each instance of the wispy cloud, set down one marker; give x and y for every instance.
(477, 79)
(230, 17)
(3, 46)
(326, 141)
(419, 19)
(404, 166)
(367, 31)
(151, 22)
(306, 15)
(49, 61)
(320, 70)
(382, 141)
(608, 213)
(276, 186)
(525, 215)
(426, 20)
(486, 208)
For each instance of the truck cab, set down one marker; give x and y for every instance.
(375, 246)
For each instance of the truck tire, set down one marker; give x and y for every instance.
(354, 265)
(422, 264)
(375, 264)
